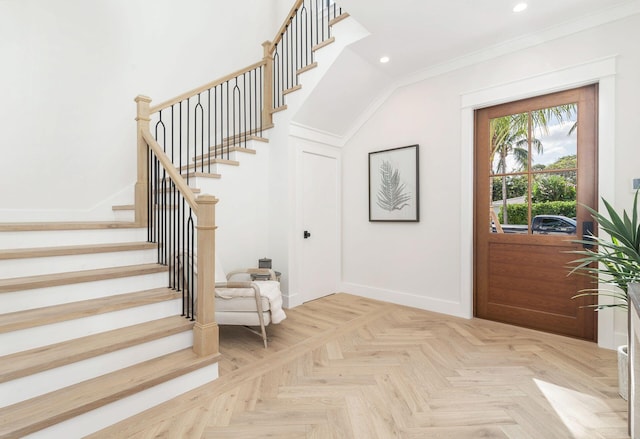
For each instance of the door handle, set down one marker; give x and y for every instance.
(587, 234)
(306, 234)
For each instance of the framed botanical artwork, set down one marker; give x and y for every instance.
(393, 185)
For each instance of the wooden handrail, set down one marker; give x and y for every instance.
(204, 87)
(175, 176)
(292, 13)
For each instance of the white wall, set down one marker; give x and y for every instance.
(70, 71)
(422, 264)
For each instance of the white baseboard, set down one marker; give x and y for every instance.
(407, 299)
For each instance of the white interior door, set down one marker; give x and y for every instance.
(320, 236)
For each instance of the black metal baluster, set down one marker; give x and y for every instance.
(215, 121)
(172, 136)
(180, 136)
(228, 134)
(195, 136)
(276, 74)
(251, 106)
(244, 108)
(188, 124)
(149, 194)
(192, 253)
(317, 27)
(162, 212)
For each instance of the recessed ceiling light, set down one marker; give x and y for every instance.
(384, 59)
(520, 7)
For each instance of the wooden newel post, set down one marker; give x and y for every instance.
(267, 109)
(142, 183)
(205, 331)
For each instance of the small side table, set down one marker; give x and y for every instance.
(263, 274)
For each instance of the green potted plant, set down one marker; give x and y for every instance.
(613, 263)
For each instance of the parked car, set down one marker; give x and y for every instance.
(543, 225)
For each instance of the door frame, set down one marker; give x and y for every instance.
(601, 71)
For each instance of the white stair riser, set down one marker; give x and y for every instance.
(21, 389)
(54, 238)
(122, 409)
(61, 264)
(42, 297)
(30, 338)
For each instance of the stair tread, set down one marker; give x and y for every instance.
(323, 44)
(203, 174)
(67, 225)
(41, 252)
(249, 135)
(41, 412)
(339, 18)
(222, 150)
(199, 159)
(292, 89)
(72, 277)
(69, 311)
(199, 164)
(306, 68)
(48, 357)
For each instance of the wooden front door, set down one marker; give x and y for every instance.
(535, 169)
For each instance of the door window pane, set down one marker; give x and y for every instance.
(533, 178)
(555, 137)
(509, 143)
(509, 204)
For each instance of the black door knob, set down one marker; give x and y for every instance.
(306, 234)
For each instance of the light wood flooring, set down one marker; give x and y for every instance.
(348, 367)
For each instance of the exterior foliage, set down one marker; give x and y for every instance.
(392, 195)
(517, 186)
(518, 212)
(553, 187)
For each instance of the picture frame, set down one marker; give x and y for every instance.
(394, 190)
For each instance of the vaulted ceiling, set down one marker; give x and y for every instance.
(422, 37)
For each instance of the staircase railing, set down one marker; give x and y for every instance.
(306, 29)
(186, 136)
(179, 223)
(201, 127)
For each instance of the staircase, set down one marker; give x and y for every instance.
(88, 328)
(94, 327)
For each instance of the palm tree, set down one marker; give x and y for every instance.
(510, 138)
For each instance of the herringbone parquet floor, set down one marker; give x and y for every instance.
(349, 367)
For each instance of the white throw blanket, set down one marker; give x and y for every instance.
(268, 288)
